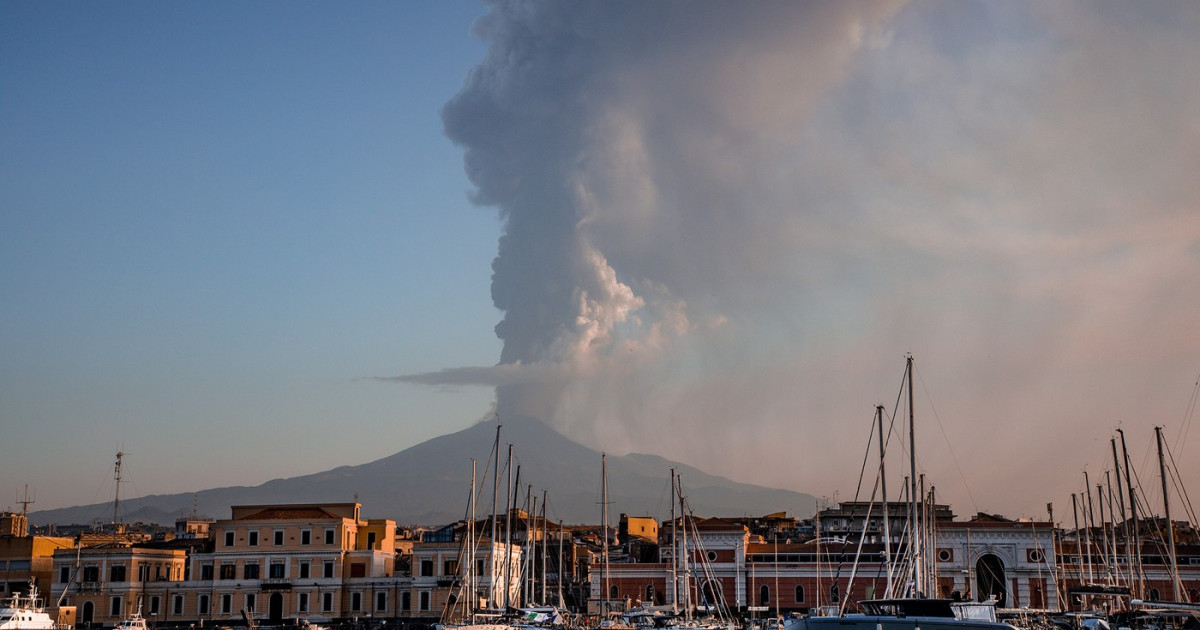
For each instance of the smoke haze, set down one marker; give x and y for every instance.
(725, 224)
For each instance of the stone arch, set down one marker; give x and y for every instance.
(990, 579)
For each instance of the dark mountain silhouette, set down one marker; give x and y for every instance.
(427, 485)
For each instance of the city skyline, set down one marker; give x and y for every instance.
(242, 243)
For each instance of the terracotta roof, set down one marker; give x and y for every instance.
(305, 512)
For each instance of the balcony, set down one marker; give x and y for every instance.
(89, 587)
(276, 584)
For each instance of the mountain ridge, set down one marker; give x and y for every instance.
(427, 483)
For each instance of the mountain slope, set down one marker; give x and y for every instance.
(427, 484)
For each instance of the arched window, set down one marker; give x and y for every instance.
(650, 593)
(799, 594)
(835, 594)
(613, 593)
(1154, 595)
(764, 595)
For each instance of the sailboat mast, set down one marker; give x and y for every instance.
(469, 606)
(604, 537)
(1137, 530)
(1088, 524)
(1112, 521)
(545, 544)
(509, 505)
(559, 581)
(1162, 469)
(688, 602)
(495, 494)
(887, 537)
(675, 552)
(1121, 504)
(531, 503)
(914, 547)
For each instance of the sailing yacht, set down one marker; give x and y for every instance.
(914, 611)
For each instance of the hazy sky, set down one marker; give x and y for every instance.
(254, 240)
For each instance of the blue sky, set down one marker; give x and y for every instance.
(214, 218)
(237, 241)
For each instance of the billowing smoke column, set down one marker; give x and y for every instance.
(622, 143)
(725, 223)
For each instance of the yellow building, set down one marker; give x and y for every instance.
(277, 562)
(24, 558)
(109, 581)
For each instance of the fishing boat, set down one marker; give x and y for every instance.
(26, 612)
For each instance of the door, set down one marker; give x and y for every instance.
(989, 574)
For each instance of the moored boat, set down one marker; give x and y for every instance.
(25, 612)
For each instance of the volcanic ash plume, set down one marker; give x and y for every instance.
(727, 220)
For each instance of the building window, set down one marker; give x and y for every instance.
(613, 593)
(251, 601)
(355, 602)
(64, 574)
(116, 573)
(306, 537)
(304, 570)
(228, 572)
(206, 572)
(427, 568)
(764, 595)
(406, 600)
(252, 539)
(154, 604)
(424, 600)
(712, 556)
(302, 602)
(277, 570)
(328, 569)
(226, 604)
(1154, 595)
(835, 594)
(91, 574)
(202, 605)
(1036, 555)
(278, 538)
(945, 555)
(479, 566)
(143, 572)
(799, 594)
(177, 605)
(450, 567)
(380, 601)
(326, 602)
(250, 572)
(649, 593)
(370, 540)
(228, 539)
(329, 537)
(114, 607)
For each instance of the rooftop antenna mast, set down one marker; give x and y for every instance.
(26, 502)
(117, 497)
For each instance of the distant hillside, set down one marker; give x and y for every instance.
(427, 484)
